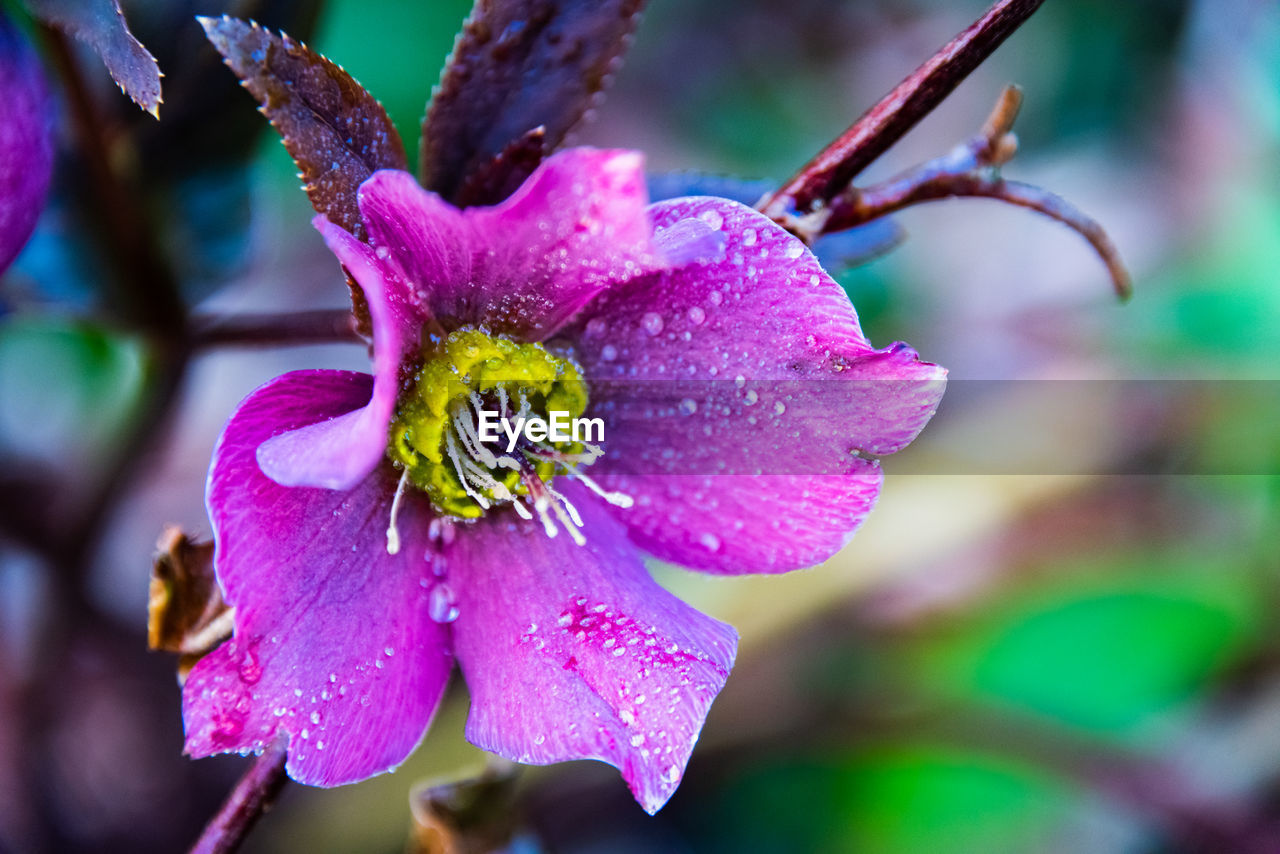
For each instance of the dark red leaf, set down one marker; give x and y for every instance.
(499, 176)
(519, 65)
(337, 133)
(101, 25)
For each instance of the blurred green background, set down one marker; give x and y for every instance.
(1048, 660)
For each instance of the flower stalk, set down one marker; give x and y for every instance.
(253, 795)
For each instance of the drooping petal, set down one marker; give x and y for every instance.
(523, 267)
(26, 141)
(752, 364)
(576, 653)
(333, 641)
(338, 453)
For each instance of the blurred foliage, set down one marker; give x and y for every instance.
(67, 391)
(1109, 645)
(901, 798)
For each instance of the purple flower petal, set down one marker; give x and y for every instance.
(333, 641)
(338, 453)
(576, 653)
(26, 141)
(733, 524)
(523, 267)
(753, 364)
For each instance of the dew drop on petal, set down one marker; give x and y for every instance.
(608, 352)
(779, 408)
(595, 326)
(652, 322)
(794, 249)
(712, 218)
(710, 542)
(688, 406)
(441, 604)
(697, 316)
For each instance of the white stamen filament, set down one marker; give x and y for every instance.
(393, 535)
(568, 516)
(452, 446)
(471, 440)
(617, 499)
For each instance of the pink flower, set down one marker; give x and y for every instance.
(367, 538)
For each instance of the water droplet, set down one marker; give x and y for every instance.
(250, 669)
(749, 237)
(441, 604)
(608, 352)
(672, 774)
(715, 297)
(712, 218)
(710, 542)
(697, 316)
(739, 381)
(315, 717)
(688, 406)
(779, 408)
(750, 397)
(539, 739)
(794, 249)
(595, 326)
(652, 322)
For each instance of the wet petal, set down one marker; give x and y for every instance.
(523, 267)
(735, 524)
(333, 640)
(26, 141)
(576, 653)
(339, 452)
(753, 364)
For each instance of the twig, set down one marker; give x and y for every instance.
(321, 326)
(827, 174)
(971, 169)
(252, 796)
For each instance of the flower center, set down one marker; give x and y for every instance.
(466, 431)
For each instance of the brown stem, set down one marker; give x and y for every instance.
(252, 796)
(273, 330)
(971, 169)
(827, 174)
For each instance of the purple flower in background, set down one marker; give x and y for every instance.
(26, 141)
(367, 537)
